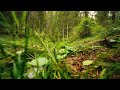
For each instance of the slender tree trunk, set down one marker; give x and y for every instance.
(113, 16)
(39, 26)
(67, 30)
(86, 13)
(33, 28)
(40, 21)
(63, 33)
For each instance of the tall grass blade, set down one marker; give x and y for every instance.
(23, 17)
(14, 15)
(102, 74)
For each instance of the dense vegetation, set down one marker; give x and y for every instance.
(59, 44)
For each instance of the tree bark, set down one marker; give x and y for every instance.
(86, 13)
(67, 30)
(63, 33)
(113, 16)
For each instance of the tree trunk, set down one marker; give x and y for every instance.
(67, 31)
(63, 33)
(113, 16)
(86, 13)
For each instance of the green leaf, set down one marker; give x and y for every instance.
(41, 61)
(63, 51)
(16, 71)
(14, 15)
(68, 48)
(103, 73)
(23, 18)
(118, 40)
(112, 40)
(87, 62)
(60, 57)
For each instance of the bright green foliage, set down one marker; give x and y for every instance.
(14, 15)
(85, 30)
(86, 27)
(63, 51)
(102, 74)
(111, 32)
(43, 43)
(40, 61)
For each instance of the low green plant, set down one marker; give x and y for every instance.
(111, 31)
(55, 69)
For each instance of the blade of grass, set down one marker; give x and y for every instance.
(102, 73)
(23, 17)
(14, 15)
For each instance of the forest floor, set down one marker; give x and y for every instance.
(108, 58)
(76, 65)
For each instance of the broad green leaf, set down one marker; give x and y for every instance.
(60, 57)
(112, 40)
(41, 61)
(62, 51)
(68, 48)
(87, 62)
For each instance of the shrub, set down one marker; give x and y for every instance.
(87, 27)
(111, 32)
